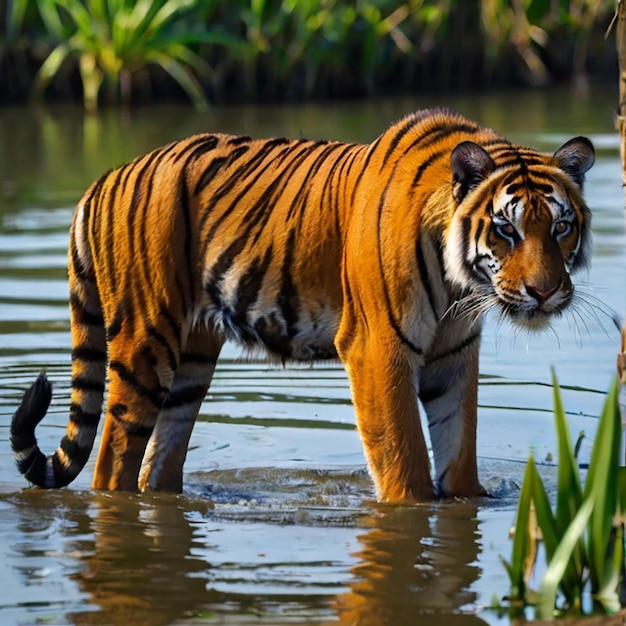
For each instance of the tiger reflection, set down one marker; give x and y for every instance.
(142, 571)
(146, 561)
(415, 566)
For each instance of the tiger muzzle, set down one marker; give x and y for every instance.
(542, 295)
(551, 297)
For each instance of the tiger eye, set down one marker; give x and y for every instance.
(561, 227)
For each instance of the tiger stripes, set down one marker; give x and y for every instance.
(386, 255)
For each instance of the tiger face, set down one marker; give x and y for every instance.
(513, 241)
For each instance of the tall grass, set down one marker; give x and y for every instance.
(277, 49)
(583, 537)
(113, 40)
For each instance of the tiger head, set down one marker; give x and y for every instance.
(520, 227)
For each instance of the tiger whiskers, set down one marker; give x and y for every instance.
(583, 312)
(471, 306)
(583, 301)
(516, 327)
(577, 322)
(551, 328)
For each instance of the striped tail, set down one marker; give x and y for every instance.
(89, 359)
(30, 460)
(58, 469)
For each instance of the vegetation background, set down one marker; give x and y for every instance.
(138, 51)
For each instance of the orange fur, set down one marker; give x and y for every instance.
(384, 254)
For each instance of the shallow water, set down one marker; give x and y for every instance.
(277, 523)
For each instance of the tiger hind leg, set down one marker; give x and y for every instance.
(140, 374)
(162, 465)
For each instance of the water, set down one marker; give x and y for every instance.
(278, 523)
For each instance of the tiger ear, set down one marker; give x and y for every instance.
(471, 164)
(575, 158)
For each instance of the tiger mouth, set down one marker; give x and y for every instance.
(534, 318)
(531, 318)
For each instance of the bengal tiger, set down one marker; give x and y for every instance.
(385, 255)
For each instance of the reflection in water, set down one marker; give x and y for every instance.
(416, 565)
(301, 548)
(141, 571)
(156, 560)
(130, 556)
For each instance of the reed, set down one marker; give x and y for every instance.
(113, 40)
(583, 537)
(295, 49)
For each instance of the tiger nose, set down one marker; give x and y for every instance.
(541, 295)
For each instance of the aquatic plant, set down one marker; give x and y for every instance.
(301, 46)
(15, 17)
(114, 39)
(286, 49)
(584, 537)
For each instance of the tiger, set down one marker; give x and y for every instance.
(384, 255)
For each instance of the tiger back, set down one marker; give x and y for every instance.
(385, 255)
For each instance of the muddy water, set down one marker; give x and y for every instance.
(277, 523)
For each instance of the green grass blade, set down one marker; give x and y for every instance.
(215, 37)
(184, 78)
(522, 548)
(545, 517)
(168, 13)
(507, 567)
(561, 558)
(569, 490)
(51, 65)
(621, 493)
(49, 13)
(99, 10)
(608, 596)
(602, 485)
(15, 18)
(571, 583)
(187, 57)
(80, 15)
(139, 19)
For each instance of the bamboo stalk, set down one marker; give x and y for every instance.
(620, 123)
(620, 120)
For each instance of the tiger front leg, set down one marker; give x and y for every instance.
(162, 465)
(449, 394)
(385, 400)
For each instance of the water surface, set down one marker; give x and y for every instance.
(278, 523)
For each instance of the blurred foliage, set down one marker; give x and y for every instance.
(225, 50)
